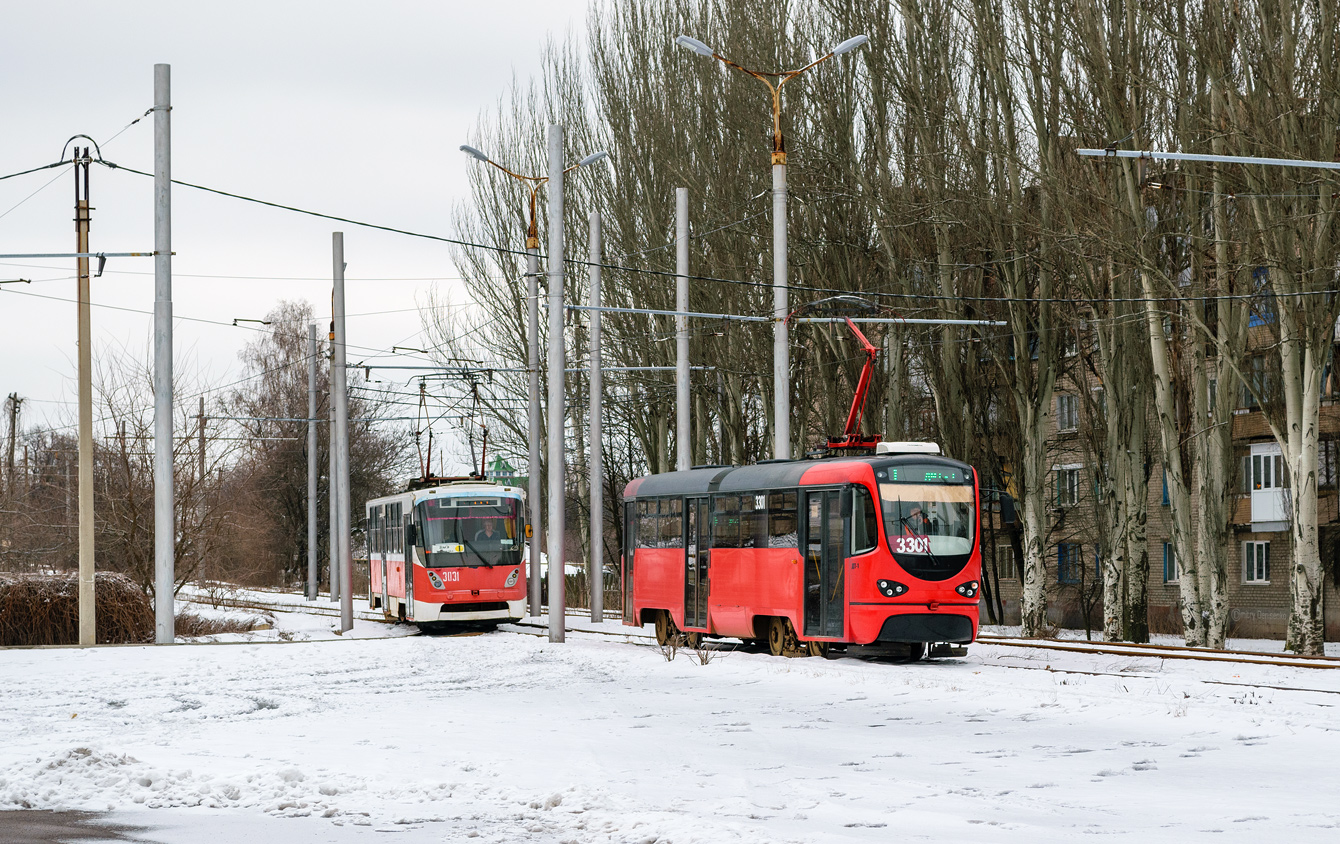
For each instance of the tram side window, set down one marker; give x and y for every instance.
(646, 524)
(726, 521)
(395, 532)
(671, 523)
(754, 521)
(782, 520)
(864, 521)
(374, 530)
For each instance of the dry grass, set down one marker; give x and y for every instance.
(190, 624)
(44, 610)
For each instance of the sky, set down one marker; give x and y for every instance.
(349, 108)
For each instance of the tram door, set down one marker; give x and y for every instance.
(378, 555)
(825, 591)
(629, 543)
(696, 584)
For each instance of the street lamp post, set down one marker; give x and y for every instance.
(781, 359)
(533, 183)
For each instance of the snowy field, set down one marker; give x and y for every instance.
(304, 736)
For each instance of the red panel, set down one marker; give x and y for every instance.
(658, 581)
(469, 585)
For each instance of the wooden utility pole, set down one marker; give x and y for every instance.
(87, 621)
(13, 406)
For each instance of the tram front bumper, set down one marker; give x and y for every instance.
(927, 627)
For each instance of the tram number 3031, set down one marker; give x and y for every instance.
(911, 544)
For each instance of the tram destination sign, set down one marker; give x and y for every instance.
(926, 474)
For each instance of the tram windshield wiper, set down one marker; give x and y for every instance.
(903, 521)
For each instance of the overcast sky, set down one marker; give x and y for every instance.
(351, 108)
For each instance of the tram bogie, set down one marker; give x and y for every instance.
(803, 556)
(453, 552)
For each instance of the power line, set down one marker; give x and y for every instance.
(740, 282)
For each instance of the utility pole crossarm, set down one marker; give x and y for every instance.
(1158, 155)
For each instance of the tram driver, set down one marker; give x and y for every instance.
(915, 522)
(488, 535)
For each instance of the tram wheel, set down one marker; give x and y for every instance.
(915, 651)
(782, 639)
(693, 640)
(666, 630)
(819, 649)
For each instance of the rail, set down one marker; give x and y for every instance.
(1153, 651)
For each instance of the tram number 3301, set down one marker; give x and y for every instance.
(911, 544)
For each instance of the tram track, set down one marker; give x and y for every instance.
(1145, 651)
(1153, 651)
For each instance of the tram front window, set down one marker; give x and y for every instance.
(928, 519)
(470, 532)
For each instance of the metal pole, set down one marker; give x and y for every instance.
(87, 619)
(312, 575)
(165, 525)
(332, 488)
(535, 436)
(340, 398)
(781, 359)
(683, 444)
(596, 567)
(557, 590)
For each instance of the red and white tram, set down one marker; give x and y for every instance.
(882, 548)
(448, 551)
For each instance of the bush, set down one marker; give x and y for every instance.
(44, 610)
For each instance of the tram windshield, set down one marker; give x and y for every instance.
(928, 519)
(470, 532)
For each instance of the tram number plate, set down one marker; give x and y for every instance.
(912, 545)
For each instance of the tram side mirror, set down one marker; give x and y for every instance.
(1007, 516)
(411, 534)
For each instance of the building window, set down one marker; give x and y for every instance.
(1069, 561)
(1005, 563)
(1256, 562)
(1326, 464)
(1067, 486)
(1100, 401)
(1165, 487)
(1169, 563)
(1067, 412)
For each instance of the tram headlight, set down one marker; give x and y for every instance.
(435, 580)
(891, 588)
(512, 578)
(969, 589)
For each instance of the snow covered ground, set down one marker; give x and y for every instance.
(504, 737)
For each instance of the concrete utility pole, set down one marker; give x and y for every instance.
(332, 488)
(534, 432)
(340, 399)
(596, 565)
(87, 619)
(781, 354)
(313, 576)
(781, 358)
(557, 585)
(165, 522)
(683, 444)
(534, 411)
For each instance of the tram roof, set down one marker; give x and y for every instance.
(770, 475)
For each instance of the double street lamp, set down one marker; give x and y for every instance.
(780, 352)
(533, 355)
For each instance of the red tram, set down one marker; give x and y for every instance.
(448, 550)
(882, 548)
